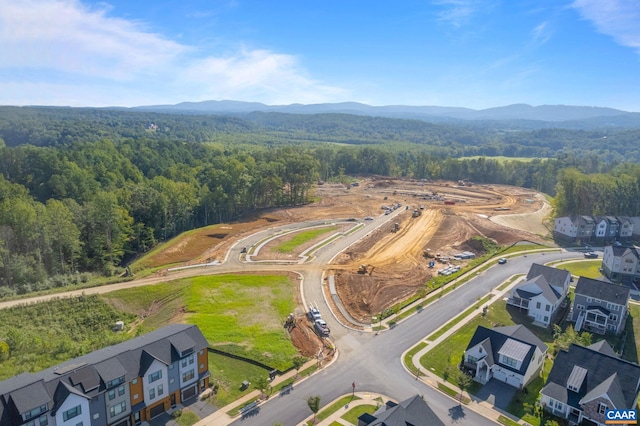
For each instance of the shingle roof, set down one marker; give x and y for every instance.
(499, 336)
(554, 276)
(597, 289)
(605, 374)
(603, 347)
(27, 391)
(410, 412)
(536, 286)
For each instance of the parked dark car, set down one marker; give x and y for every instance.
(591, 255)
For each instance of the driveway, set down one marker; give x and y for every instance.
(497, 393)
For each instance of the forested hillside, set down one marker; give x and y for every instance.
(83, 190)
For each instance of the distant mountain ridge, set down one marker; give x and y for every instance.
(572, 115)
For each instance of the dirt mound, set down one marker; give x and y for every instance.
(305, 339)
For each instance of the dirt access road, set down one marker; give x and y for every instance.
(450, 216)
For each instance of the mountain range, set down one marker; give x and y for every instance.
(521, 114)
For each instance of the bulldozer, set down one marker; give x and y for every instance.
(427, 254)
(366, 269)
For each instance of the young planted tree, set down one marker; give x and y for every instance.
(314, 405)
(298, 362)
(463, 381)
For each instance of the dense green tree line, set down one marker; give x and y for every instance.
(88, 203)
(614, 193)
(46, 126)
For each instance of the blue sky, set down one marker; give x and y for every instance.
(469, 53)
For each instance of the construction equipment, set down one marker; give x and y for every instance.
(366, 269)
(427, 254)
(416, 213)
(396, 227)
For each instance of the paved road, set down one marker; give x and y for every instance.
(374, 361)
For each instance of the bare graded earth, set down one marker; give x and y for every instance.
(503, 213)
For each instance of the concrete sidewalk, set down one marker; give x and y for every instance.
(366, 398)
(479, 406)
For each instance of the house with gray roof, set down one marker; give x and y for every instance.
(512, 354)
(621, 263)
(577, 229)
(410, 412)
(119, 385)
(585, 382)
(599, 306)
(542, 293)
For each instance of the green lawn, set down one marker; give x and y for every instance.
(228, 374)
(352, 415)
(302, 237)
(239, 314)
(444, 358)
(584, 268)
(327, 411)
(187, 418)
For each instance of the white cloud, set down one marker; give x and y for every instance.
(72, 54)
(541, 33)
(456, 12)
(619, 19)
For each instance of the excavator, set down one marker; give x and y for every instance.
(366, 269)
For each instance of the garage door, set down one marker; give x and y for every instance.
(513, 381)
(156, 411)
(189, 392)
(500, 375)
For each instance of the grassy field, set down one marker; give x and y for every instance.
(303, 237)
(327, 411)
(228, 374)
(239, 314)
(583, 268)
(37, 336)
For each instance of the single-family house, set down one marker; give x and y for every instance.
(542, 293)
(120, 385)
(412, 411)
(621, 263)
(512, 354)
(599, 306)
(585, 382)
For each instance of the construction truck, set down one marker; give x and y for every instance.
(427, 254)
(416, 213)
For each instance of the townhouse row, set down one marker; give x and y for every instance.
(121, 385)
(596, 229)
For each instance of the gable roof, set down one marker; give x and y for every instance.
(537, 286)
(554, 276)
(410, 412)
(597, 289)
(603, 347)
(87, 375)
(620, 251)
(514, 341)
(606, 374)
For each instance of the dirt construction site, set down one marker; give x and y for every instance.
(436, 216)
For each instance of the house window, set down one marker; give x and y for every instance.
(602, 408)
(155, 376)
(171, 380)
(538, 305)
(112, 394)
(35, 412)
(509, 361)
(121, 390)
(546, 319)
(189, 375)
(547, 308)
(589, 300)
(201, 366)
(118, 409)
(201, 352)
(135, 381)
(96, 416)
(71, 413)
(160, 390)
(170, 366)
(189, 360)
(472, 359)
(115, 382)
(42, 421)
(152, 393)
(613, 317)
(136, 396)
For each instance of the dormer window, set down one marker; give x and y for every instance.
(115, 382)
(480, 349)
(35, 412)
